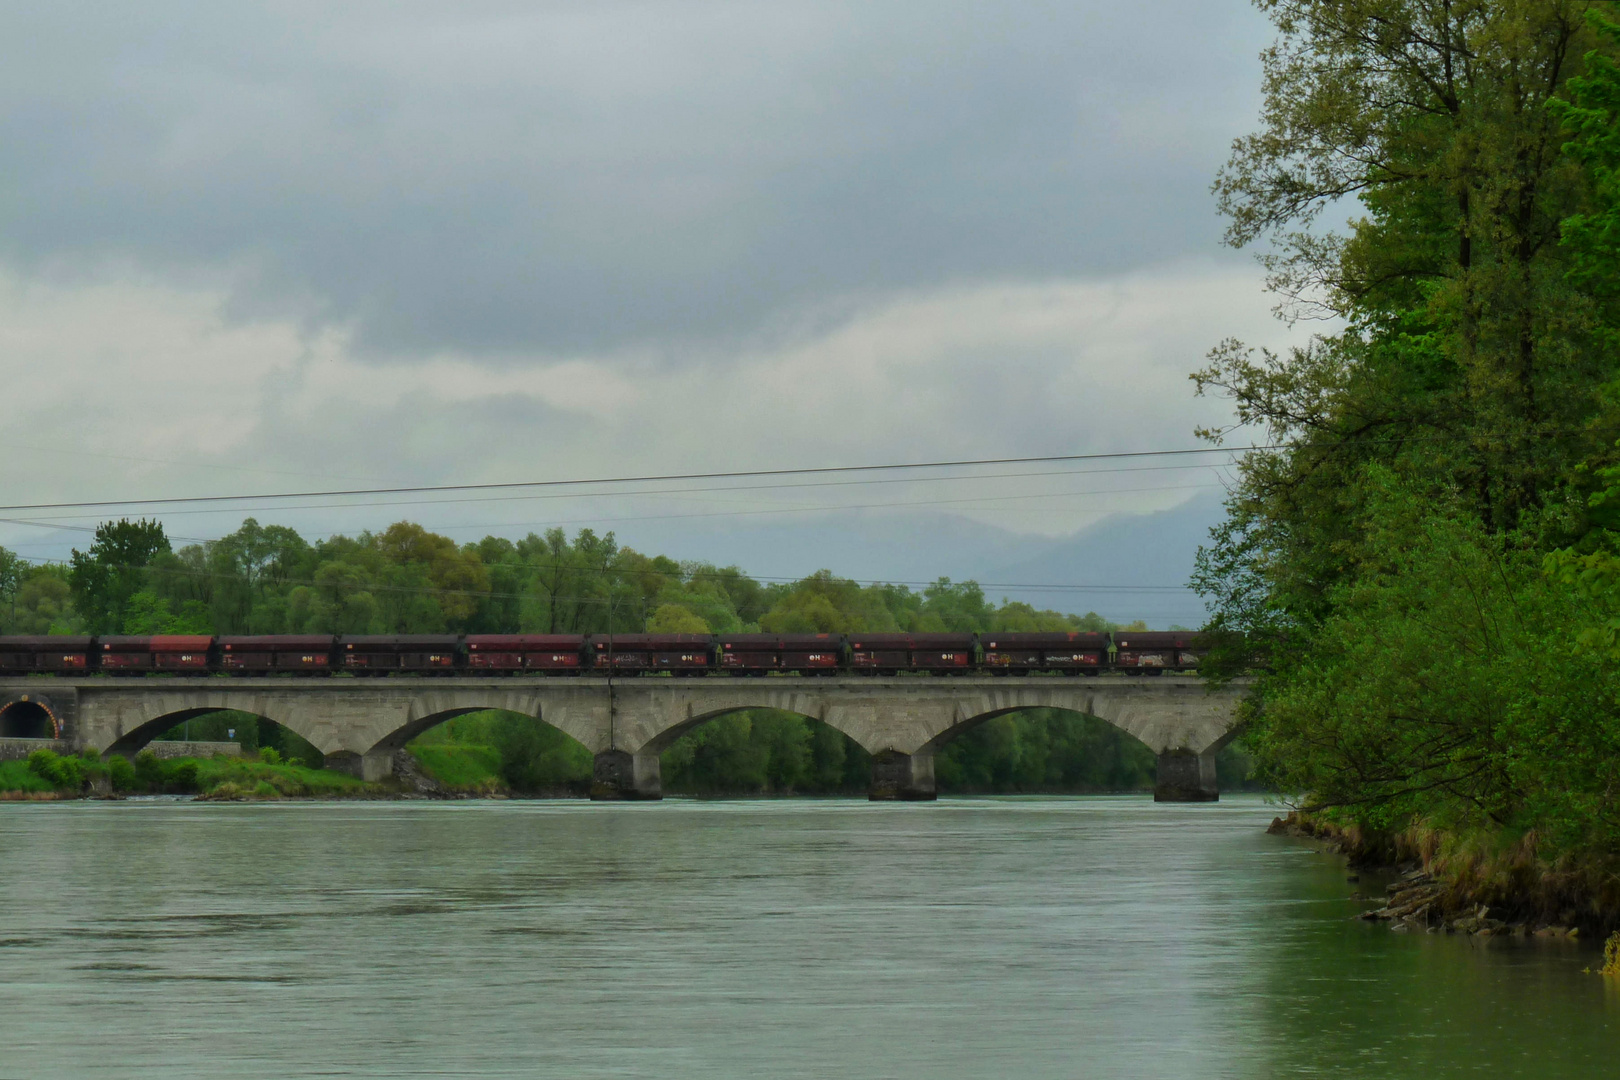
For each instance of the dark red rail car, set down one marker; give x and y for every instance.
(510, 653)
(380, 654)
(1072, 652)
(263, 654)
(758, 654)
(48, 654)
(882, 654)
(812, 654)
(633, 653)
(749, 654)
(942, 654)
(163, 652)
(1155, 651)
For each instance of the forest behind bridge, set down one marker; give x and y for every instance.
(267, 579)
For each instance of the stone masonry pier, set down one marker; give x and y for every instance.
(902, 721)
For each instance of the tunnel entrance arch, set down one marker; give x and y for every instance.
(29, 720)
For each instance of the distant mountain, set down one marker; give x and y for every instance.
(1154, 549)
(1122, 550)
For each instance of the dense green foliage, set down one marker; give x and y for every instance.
(1425, 573)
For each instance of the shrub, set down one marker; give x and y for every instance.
(270, 755)
(120, 773)
(149, 771)
(182, 776)
(265, 790)
(66, 773)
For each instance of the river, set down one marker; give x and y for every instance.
(1027, 938)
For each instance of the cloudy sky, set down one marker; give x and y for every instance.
(280, 247)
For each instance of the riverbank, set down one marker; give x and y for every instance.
(1479, 883)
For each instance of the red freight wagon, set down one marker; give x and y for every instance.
(1071, 652)
(883, 654)
(750, 654)
(942, 654)
(812, 654)
(686, 653)
(383, 653)
(165, 652)
(263, 654)
(524, 652)
(1157, 651)
(50, 653)
(181, 652)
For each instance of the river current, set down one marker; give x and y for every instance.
(1024, 938)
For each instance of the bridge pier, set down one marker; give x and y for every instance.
(374, 766)
(619, 774)
(904, 777)
(1185, 776)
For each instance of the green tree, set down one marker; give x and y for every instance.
(12, 572)
(105, 578)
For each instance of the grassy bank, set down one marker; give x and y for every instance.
(50, 775)
(1480, 881)
(462, 768)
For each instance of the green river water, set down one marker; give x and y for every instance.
(1085, 937)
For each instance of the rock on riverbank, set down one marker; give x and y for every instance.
(1513, 895)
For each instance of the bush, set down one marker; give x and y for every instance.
(66, 773)
(269, 755)
(120, 773)
(265, 790)
(148, 771)
(182, 777)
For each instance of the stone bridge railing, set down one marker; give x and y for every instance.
(902, 721)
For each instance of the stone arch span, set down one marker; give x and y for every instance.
(695, 719)
(137, 738)
(577, 716)
(1162, 718)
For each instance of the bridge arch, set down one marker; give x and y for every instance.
(672, 734)
(137, 738)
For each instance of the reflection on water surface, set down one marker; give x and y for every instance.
(1097, 937)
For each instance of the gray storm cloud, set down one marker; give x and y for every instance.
(504, 178)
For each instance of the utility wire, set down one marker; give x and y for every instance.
(739, 474)
(685, 491)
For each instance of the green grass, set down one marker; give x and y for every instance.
(282, 779)
(459, 766)
(15, 776)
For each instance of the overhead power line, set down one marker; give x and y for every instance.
(424, 489)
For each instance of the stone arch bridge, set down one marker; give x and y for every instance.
(902, 721)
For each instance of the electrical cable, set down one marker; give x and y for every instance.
(738, 474)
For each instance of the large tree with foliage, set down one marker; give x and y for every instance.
(108, 576)
(1385, 560)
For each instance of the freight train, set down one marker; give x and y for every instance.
(1130, 652)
